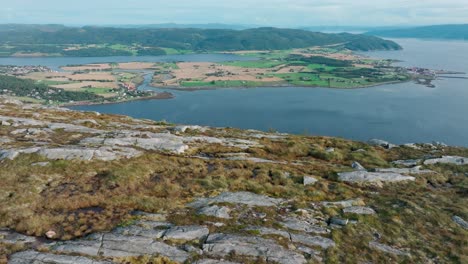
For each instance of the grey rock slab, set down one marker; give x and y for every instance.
(357, 166)
(414, 170)
(16, 121)
(183, 129)
(338, 221)
(362, 210)
(123, 246)
(246, 198)
(269, 231)
(387, 249)
(448, 160)
(35, 257)
(221, 245)
(460, 221)
(11, 237)
(304, 226)
(88, 247)
(74, 128)
(186, 233)
(381, 143)
(214, 261)
(308, 240)
(309, 180)
(216, 211)
(344, 203)
(372, 177)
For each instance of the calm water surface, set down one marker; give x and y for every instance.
(399, 113)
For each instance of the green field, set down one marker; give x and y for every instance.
(254, 64)
(215, 84)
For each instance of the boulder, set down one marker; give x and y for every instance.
(357, 166)
(222, 245)
(183, 129)
(214, 261)
(387, 249)
(372, 177)
(361, 210)
(245, 198)
(338, 221)
(216, 211)
(309, 180)
(448, 160)
(186, 233)
(10, 237)
(460, 221)
(381, 143)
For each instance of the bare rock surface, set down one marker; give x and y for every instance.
(216, 211)
(309, 180)
(357, 166)
(372, 177)
(460, 221)
(407, 163)
(221, 245)
(186, 233)
(245, 198)
(304, 226)
(344, 203)
(362, 210)
(214, 261)
(35, 257)
(387, 249)
(9, 237)
(414, 170)
(448, 160)
(312, 241)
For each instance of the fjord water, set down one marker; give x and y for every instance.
(399, 113)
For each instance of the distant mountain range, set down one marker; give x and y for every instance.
(458, 32)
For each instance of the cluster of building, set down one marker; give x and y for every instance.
(129, 86)
(22, 70)
(421, 71)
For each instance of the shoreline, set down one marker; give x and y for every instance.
(159, 96)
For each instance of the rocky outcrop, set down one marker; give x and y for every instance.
(456, 160)
(245, 198)
(381, 143)
(186, 233)
(414, 170)
(345, 203)
(361, 210)
(304, 226)
(387, 249)
(47, 258)
(309, 180)
(222, 245)
(407, 163)
(372, 177)
(216, 211)
(460, 221)
(357, 166)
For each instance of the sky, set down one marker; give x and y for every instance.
(284, 13)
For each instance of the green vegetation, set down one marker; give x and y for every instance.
(254, 64)
(102, 41)
(216, 84)
(28, 88)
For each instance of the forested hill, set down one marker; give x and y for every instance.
(191, 39)
(459, 32)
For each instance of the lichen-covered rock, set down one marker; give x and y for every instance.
(222, 245)
(372, 177)
(345, 203)
(246, 198)
(407, 163)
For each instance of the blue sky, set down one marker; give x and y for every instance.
(258, 12)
